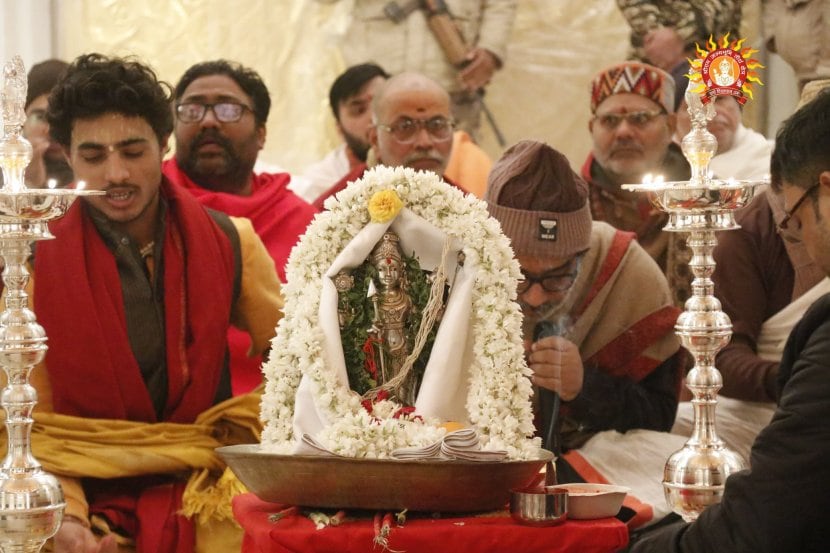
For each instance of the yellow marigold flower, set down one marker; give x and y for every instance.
(384, 206)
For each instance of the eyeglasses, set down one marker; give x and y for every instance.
(790, 226)
(638, 119)
(555, 280)
(225, 112)
(405, 130)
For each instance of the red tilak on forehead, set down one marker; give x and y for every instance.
(388, 260)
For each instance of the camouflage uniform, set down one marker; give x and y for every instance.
(411, 45)
(694, 20)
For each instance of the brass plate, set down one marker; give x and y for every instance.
(379, 484)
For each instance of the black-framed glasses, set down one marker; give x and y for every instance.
(639, 119)
(790, 226)
(555, 280)
(405, 129)
(226, 112)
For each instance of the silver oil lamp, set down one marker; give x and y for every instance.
(31, 500)
(694, 476)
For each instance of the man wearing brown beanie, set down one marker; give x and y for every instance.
(598, 315)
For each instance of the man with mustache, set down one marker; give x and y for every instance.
(411, 127)
(632, 127)
(136, 294)
(221, 110)
(350, 98)
(594, 334)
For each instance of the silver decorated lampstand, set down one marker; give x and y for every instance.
(694, 476)
(31, 500)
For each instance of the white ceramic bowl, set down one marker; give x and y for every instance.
(587, 501)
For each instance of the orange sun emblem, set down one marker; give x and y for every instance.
(722, 70)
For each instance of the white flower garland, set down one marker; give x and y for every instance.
(498, 402)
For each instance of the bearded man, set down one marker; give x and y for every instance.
(221, 111)
(631, 128)
(350, 98)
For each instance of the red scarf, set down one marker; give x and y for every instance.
(279, 218)
(92, 370)
(78, 298)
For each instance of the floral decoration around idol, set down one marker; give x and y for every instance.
(303, 375)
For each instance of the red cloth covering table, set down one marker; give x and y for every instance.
(495, 532)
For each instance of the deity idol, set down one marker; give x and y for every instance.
(724, 77)
(392, 309)
(387, 308)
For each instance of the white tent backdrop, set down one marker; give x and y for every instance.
(542, 93)
(27, 30)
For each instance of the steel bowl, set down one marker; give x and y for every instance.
(539, 506)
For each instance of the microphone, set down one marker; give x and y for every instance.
(549, 401)
(544, 329)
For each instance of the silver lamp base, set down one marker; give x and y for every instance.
(31, 511)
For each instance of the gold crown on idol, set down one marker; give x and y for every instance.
(388, 248)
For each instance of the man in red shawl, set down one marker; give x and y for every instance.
(412, 127)
(221, 111)
(136, 294)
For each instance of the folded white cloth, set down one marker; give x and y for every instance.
(462, 445)
(430, 451)
(308, 445)
(465, 438)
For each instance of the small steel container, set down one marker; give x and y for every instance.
(539, 506)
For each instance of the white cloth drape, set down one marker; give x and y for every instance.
(776, 329)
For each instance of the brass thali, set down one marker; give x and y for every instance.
(378, 484)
